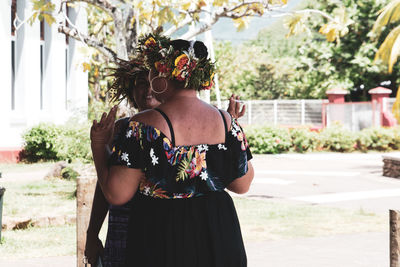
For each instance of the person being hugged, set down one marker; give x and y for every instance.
(176, 162)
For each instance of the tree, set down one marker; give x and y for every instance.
(349, 63)
(389, 50)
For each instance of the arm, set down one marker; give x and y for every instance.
(94, 247)
(242, 185)
(118, 183)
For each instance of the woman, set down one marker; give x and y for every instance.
(131, 83)
(176, 162)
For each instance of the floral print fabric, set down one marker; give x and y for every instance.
(181, 171)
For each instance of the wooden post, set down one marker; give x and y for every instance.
(85, 188)
(394, 238)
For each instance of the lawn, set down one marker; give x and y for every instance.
(36, 199)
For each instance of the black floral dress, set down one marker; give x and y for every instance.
(181, 215)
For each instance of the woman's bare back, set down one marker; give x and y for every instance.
(193, 121)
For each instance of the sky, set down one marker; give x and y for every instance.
(226, 31)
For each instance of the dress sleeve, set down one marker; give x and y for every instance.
(127, 147)
(241, 153)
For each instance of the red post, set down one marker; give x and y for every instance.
(380, 95)
(336, 95)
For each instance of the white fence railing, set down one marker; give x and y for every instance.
(282, 112)
(307, 112)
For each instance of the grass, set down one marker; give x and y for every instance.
(268, 220)
(38, 242)
(23, 167)
(38, 198)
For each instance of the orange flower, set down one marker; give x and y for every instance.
(181, 61)
(150, 42)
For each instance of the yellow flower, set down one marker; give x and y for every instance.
(206, 83)
(176, 72)
(150, 42)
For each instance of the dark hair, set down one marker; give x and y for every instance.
(124, 76)
(200, 49)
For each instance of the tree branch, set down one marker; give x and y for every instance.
(180, 25)
(73, 33)
(102, 4)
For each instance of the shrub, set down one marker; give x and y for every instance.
(378, 138)
(268, 139)
(57, 142)
(74, 143)
(40, 142)
(69, 173)
(337, 138)
(303, 140)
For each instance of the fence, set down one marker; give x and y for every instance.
(282, 112)
(353, 115)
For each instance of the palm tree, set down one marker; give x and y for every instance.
(389, 51)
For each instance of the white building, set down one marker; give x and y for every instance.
(41, 74)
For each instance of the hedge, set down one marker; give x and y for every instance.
(336, 138)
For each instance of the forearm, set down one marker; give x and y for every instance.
(98, 213)
(101, 154)
(242, 185)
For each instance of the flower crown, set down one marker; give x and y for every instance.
(157, 53)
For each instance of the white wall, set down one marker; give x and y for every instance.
(5, 67)
(57, 89)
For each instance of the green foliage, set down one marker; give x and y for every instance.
(348, 64)
(274, 139)
(337, 138)
(74, 143)
(69, 173)
(381, 139)
(268, 140)
(303, 140)
(251, 71)
(40, 142)
(54, 142)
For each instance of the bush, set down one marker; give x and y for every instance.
(381, 139)
(74, 143)
(41, 142)
(303, 140)
(57, 142)
(337, 138)
(69, 173)
(268, 140)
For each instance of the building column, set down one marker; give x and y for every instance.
(77, 80)
(54, 79)
(5, 67)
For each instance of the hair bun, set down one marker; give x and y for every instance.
(200, 49)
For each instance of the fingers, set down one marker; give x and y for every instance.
(241, 113)
(111, 117)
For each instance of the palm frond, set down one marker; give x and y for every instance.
(389, 51)
(182, 174)
(389, 14)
